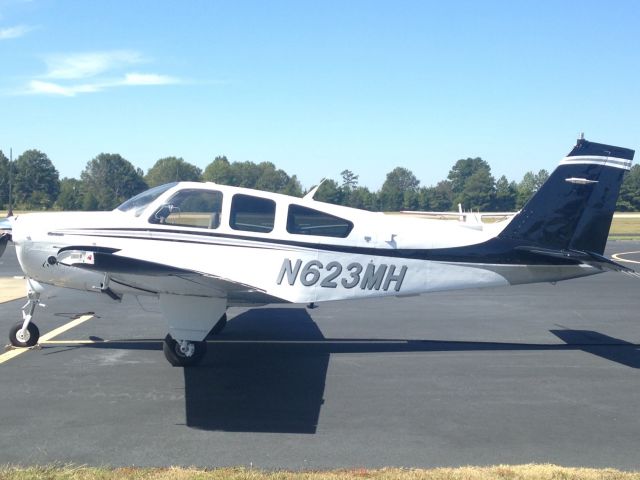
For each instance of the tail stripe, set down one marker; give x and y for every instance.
(596, 160)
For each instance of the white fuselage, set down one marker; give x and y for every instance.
(257, 267)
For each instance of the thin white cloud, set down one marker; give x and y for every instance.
(14, 32)
(38, 87)
(73, 74)
(86, 65)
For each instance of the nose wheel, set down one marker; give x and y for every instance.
(183, 353)
(26, 334)
(24, 337)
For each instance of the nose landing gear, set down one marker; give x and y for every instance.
(26, 334)
(24, 337)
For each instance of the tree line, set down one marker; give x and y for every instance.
(109, 179)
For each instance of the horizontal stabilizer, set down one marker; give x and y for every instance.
(587, 258)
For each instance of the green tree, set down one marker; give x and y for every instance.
(218, 171)
(506, 194)
(530, 184)
(245, 174)
(36, 181)
(393, 191)
(363, 198)
(349, 180)
(172, 169)
(71, 196)
(438, 198)
(110, 180)
(293, 187)
(478, 192)
(629, 199)
(329, 192)
(472, 184)
(462, 170)
(349, 184)
(89, 201)
(272, 179)
(262, 176)
(411, 200)
(4, 180)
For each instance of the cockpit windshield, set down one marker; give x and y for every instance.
(138, 203)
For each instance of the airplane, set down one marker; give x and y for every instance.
(202, 247)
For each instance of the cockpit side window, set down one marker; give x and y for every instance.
(191, 208)
(307, 221)
(252, 214)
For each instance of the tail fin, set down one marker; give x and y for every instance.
(573, 209)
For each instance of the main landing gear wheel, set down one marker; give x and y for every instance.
(218, 327)
(27, 338)
(183, 353)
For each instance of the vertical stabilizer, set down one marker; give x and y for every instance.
(573, 209)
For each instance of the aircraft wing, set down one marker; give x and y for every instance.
(132, 274)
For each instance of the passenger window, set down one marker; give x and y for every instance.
(307, 221)
(191, 208)
(252, 214)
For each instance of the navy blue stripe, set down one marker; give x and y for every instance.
(494, 251)
(584, 147)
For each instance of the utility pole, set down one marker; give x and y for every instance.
(10, 209)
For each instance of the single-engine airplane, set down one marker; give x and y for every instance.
(202, 247)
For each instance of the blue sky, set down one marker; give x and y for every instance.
(317, 87)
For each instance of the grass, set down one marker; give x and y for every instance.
(625, 227)
(502, 472)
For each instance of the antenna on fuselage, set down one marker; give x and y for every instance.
(310, 194)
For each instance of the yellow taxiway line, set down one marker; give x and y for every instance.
(5, 357)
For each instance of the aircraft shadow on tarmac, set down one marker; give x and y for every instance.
(273, 384)
(261, 385)
(266, 372)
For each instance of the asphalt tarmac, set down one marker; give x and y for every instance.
(536, 373)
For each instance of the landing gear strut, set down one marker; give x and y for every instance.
(26, 334)
(183, 353)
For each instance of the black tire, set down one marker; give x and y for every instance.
(175, 357)
(219, 326)
(30, 338)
